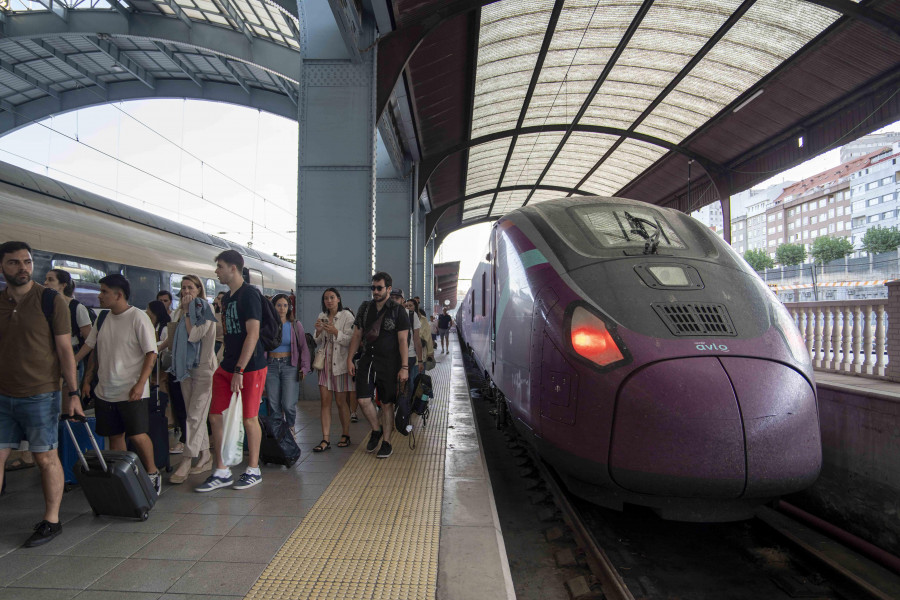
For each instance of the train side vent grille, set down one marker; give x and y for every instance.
(693, 319)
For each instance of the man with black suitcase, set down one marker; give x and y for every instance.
(126, 351)
(35, 348)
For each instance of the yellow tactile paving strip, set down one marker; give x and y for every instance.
(374, 532)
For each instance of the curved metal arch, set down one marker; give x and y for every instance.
(430, 166)
(266, 55)
(434, 216)
(46, 106)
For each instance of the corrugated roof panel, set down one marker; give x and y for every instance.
(530, 157)
(485, 164)
(509, 42)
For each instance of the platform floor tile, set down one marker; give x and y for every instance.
(374, 533)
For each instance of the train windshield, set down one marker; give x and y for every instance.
(615, 227)
(626, 227)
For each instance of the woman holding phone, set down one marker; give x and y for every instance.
(334, 328)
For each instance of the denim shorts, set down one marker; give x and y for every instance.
(33, 418)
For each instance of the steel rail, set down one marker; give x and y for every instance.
(613, 585)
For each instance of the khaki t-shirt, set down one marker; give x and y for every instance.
(122, 343)
(30, 365)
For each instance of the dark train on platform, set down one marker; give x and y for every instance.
(644, 359)
(91, 237)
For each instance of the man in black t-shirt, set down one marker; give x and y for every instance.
(444, 323)
(242, 370)
(382, 327)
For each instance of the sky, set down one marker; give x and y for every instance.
(224, 169)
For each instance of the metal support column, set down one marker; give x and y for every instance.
(393, 241)
(336, 191)
(429, 276)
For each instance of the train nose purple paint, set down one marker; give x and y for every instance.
(643, 359)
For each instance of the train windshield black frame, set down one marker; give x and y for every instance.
(616, 226)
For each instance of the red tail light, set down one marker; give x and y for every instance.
(592, 340)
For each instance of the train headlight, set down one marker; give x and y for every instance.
(591, 338)
(670, 276)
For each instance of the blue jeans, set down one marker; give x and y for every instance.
(282, 389)
(33, 418)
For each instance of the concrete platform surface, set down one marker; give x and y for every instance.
(339, 524)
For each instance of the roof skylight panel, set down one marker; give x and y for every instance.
(545, 195)
(770, 32)
(530, 156)
(485, 164)
(509, 41)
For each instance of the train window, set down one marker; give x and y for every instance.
(175, 287)
(145, 283)
(472, 303)
(612, 226)
(86, 277)
(80, 272)
(484, 294)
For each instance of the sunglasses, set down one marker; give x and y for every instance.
(377, 288)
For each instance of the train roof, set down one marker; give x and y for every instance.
(42, 184)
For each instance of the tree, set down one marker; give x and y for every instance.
(789, 255)
(881, 239)
(758, 259)
(826, 249)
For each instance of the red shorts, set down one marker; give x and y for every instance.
(251, 393)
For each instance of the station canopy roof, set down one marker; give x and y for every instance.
(674, 102)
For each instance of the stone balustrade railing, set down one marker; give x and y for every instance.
(846, 337)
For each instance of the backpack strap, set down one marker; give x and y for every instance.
(48, 298)
(100, 318)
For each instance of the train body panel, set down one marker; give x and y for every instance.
(94, 236)
(670, 378)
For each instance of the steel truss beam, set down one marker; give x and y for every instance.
(114, 53)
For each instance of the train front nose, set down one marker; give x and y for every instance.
(715, 427)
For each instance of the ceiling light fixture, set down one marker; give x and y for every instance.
(755, 95)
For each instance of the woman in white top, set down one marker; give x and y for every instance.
(196, 385)
(62, 282)
(334, 328)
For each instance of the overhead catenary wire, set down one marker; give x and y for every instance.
(152, 175)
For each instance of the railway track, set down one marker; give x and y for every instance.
(634, 555)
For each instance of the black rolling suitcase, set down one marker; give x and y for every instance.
(114, 483)
(159, 427)
(277, 445)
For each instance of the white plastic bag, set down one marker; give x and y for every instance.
(233, 439)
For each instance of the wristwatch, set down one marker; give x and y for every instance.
(73, 393)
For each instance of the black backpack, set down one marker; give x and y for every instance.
(269, 326)
(311, 344)
(423, 392)
(403, 416)
(73, 310)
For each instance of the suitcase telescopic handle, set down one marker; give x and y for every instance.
(83, 419)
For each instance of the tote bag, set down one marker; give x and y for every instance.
(233, 439)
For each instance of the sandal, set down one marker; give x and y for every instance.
(323, 446)
(345, 441)
(17, 464)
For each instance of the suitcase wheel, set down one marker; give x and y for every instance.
(145, 516)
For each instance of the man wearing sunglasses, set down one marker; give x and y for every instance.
(382, 327)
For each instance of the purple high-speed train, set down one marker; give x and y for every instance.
(644, 359)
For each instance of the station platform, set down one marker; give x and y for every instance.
(340, 524)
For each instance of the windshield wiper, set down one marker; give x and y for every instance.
(651, 241)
